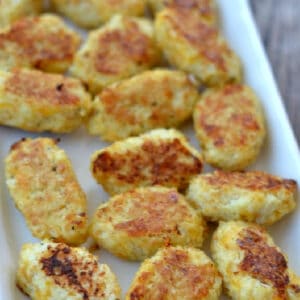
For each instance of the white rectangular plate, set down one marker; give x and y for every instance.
(279, 156)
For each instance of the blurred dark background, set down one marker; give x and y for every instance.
(279, 24)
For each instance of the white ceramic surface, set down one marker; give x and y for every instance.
(279, 156)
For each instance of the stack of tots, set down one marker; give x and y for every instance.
(160, 202)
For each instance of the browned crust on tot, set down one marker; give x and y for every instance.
(159, 159)
(21, 289)
(69, 271)
(112, 98)
(295, 288)
(33, 169)
(201, 35)
(17, 144)
(263, 262)
(118, 46)
(175, 266)
(252, 180)
(26, 34)
(217, 118)
(39, 87)
(204, 7)
(150, 218)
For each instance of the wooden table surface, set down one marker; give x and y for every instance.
(279, 25)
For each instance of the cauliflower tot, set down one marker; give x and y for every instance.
(230, 126)
(195, 45)
(253, 267)
(42, 183)
(123, 47)
(42, 42)
(176, 273)
(135, 224)
(249, 196)
(159, 157)
(48, 271)
(36, 101)
(152, 99)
